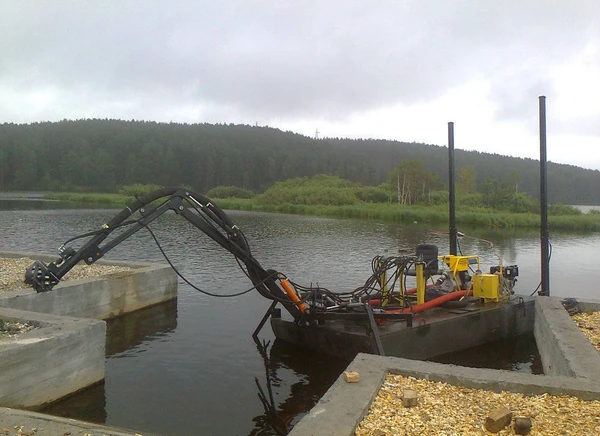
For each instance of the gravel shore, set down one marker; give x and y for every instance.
(589, 324)
(444, 409)
(12, 272)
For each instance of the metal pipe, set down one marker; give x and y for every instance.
(545, 266)
(420, 283)
(451, 194)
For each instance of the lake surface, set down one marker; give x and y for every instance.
(191, 367)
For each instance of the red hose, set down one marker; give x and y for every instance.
(377, 301)
(432, 303)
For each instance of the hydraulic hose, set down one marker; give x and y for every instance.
(377, 301)
(432, 303)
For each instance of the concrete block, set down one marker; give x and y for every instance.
(563, 348)
(100, 297)
(25, 422)
(588, 305)
(62, 355)
(571, 365)
(66, 352)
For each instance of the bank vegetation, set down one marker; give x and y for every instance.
(497, 205)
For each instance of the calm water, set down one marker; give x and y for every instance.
(191, 367)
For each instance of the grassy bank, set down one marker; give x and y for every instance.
(108, 199)
(395, 213)
(386, 212)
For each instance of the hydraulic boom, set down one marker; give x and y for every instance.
(195, 208)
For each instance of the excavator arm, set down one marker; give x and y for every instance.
(195, 208)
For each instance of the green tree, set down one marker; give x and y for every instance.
(412, 181)
(26, 167)
(514, 179)
(202, 156)
(466, 180)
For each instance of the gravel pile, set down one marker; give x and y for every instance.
(443, 409)
(9, 329)
(589, 324)
(12, 272)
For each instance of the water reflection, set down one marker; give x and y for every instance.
(316, 372)
(285, 398)
(127, 332)
(87, 405)
(513, 354)
(123, 334)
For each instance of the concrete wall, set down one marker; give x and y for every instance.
(67, 352)
(100, 297)
(563, 348)
(59, 357)
(344, 405)
(587, 306)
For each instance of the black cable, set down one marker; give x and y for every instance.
(536, 289)
(549, 257)
(97, 232)
(379, 266)
(109, 230)
(269, 277)
(191, 284)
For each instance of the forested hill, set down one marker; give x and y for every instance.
(100, 155)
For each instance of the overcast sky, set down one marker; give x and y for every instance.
(388, 69)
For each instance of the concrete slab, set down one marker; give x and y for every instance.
(563, 348)
(345, 404)
(67, 352)
(60, 356)
(99, 297)
(588, 306)
(21, 422)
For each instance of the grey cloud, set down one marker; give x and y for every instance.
(284, 59)
(515, 93)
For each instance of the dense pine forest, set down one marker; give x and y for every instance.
(103, 155)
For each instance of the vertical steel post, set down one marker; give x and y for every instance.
(385, 294)
(451, 195)
(420, 282)
(545, 267)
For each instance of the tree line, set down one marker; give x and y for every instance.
(94, 155)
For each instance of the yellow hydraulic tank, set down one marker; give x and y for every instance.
(486, 286)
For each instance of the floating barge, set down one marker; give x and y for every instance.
(433, 332)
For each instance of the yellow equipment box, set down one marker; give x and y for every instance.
(460, 263)
(486, 286)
